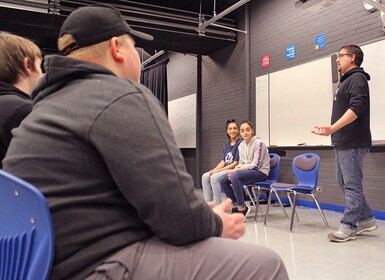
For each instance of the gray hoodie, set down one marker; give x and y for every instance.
(254, 155)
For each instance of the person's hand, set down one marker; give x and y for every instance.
(233, 226)
(213, 172)
(324, 130)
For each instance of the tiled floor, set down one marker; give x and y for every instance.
(307, 253)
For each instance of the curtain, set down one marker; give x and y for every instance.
(155, 78)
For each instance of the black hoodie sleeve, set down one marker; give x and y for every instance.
(358, 92)
(20, 110)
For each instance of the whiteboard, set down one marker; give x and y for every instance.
(262, 109)
(300, 98)
(374, 64)
(182, 118)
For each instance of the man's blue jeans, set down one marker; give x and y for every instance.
(233, 188)
(349, 165)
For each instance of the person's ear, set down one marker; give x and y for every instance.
(27, 66)
(352, 58)
(114, 49)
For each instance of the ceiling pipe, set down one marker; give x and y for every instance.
(229, 28)
(202, 26)
(155, 56)
(376, 5)
(165, 19)
(38, 6)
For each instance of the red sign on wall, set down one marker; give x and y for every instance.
(266, 60)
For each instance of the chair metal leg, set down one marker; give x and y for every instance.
(258, 195)
(268, 206)
(258, 206)
(246, 188)
(320, 210)
(293, 204)
(280, 203)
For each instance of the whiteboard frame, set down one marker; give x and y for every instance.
(262, 108)
(296, 99)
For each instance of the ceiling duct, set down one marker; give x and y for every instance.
(173, 29)
(313, 5)
(376, 4)
(203, 26)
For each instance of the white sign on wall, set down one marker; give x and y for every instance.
(182, 118)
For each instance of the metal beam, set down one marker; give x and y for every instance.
(35, 6)
(202, 26)
(229, 28)
(155, 56)
(376, 5)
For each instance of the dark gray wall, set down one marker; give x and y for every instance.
(223, 97)
(181, 75)
(274, 25)
(182, 81)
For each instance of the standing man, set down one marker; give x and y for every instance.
(20, 71)
(100, 148)
(351, 137)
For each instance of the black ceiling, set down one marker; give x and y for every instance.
(173, 23)
(205, 6)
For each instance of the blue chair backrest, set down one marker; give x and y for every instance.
(275, 162)
(26, 232)
(305, 167)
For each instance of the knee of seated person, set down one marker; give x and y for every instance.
(270, 264)
(217, 179)
(205, 176)
(225, 182)
(269, 257)
(235, 176)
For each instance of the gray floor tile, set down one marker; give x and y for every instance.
(308, 254)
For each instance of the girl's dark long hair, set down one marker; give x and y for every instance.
(228, 122)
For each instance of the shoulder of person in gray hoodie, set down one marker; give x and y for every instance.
(254, 155)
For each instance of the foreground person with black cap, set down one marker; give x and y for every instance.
(99, 146)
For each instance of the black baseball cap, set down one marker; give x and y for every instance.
(94, 24)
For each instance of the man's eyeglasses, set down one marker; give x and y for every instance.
(342, 54)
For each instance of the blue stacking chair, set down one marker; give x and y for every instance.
(256, 187)
(26, 232)
(305, 168)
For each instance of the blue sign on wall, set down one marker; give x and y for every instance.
(290, 52)
(320, 41)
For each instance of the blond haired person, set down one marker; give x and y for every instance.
(20, 71)
(122, 202)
